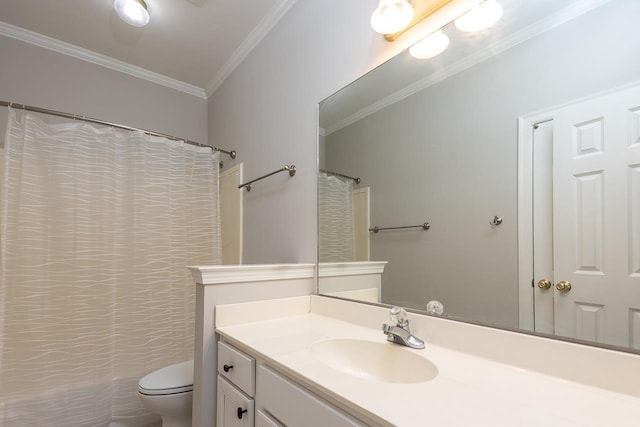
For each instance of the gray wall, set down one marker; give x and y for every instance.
(267, 109)
(448, 155)
(35, 76)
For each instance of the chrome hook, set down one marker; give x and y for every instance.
(496, 221)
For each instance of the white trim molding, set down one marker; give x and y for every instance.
(259, 32)
(250, 42)
(224, 274)
(335, 269)
(87, 55)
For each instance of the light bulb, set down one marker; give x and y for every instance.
(430, 46)
(480, 17)
(391, 16)
(133, 12)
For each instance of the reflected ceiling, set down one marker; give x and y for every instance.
(404, 75)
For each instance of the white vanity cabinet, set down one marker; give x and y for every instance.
(236, 387)
(253, 394)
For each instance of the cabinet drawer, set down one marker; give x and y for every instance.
(295, 406)
(234, 408)
(264, 420)
(237, 367)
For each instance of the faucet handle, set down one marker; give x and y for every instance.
(398, 316)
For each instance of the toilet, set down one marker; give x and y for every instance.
(168, 392)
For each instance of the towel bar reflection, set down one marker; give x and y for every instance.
(341, 175)
(424, 226)
(290, 168)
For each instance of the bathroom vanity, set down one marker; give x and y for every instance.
(251, 392)
(320, 361)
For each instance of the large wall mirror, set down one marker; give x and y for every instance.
(519, 147)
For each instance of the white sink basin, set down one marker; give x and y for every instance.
(381, 361)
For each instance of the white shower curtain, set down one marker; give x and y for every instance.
(336, 228)
(97, 228)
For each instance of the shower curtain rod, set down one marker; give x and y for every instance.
(231, 153)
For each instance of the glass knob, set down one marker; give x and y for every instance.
(435, 307)
(398, 316)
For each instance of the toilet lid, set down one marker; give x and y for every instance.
(172, 379)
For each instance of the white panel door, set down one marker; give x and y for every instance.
(361, 224)
(542, 210)
(596, 219)
(231, 215)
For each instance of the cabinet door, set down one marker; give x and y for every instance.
(237, 367)
(235, 409)
(264, 420)
(295, 406)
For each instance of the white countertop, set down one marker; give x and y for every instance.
(468, 390)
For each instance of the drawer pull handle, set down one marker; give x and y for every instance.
(227, 368)
(240, 412)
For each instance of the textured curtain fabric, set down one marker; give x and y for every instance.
(336, 219)
(97, 228)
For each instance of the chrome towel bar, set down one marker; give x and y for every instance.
(424, 226)
(354, 179)
(290, 168)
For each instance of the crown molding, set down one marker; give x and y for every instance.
(78, 52)
(225, 274)
(255, 36)
(336, 269)
(528, 32)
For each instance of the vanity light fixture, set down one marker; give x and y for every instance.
(430, 46)
(391, 16)
(133, 12)
(480, 17)
(468, 15)
(435, 13)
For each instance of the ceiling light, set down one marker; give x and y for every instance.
(480, 17)
(391, 16)
(430, 46)
(133, 12)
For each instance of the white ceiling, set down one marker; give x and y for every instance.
(191, 45)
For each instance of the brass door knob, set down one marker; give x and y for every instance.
(563, 286)
(544, 284)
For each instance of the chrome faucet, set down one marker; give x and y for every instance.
(400, 332)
